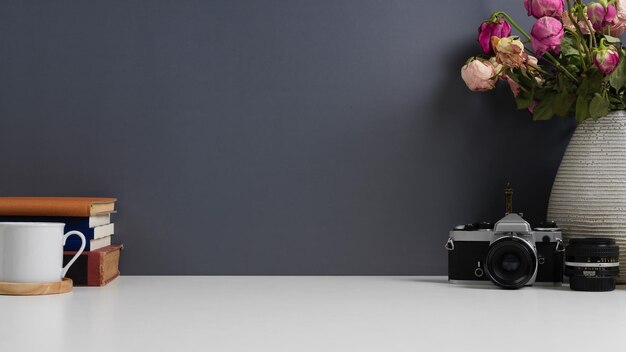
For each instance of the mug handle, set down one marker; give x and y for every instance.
(82, 248)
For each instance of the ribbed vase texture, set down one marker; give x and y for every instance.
(588, 196)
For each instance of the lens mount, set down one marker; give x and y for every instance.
(511, 262)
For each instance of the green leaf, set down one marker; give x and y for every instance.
(617, 78)
(583, 88)
(525, 80)
(616, 102)
(582, 109)
(612, 40)
(569, 46)
(524, 99)
(592, 83)
(599, 106)
(542, 93)
(563, 103)
(573, 65)
(564, 83)
(544, 111)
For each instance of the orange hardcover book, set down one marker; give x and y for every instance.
(56, 206)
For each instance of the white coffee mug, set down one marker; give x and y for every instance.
(33, 251)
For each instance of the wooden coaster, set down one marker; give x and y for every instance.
(30, 289)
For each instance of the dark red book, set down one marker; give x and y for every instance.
(94, 268)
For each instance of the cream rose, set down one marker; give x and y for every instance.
(509, 51)
(479, 75)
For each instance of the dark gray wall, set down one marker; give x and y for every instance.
(267, 137)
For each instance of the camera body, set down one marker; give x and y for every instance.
(510, 253)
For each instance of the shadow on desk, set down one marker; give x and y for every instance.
(482, 285)
(487, 285)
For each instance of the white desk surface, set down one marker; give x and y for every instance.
(221, 313)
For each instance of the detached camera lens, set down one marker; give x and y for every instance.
(592, 264)
(511, 262)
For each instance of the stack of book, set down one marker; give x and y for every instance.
(99, 263)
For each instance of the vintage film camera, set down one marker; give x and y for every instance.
(510, 253)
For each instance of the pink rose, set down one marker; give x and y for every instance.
(600, 16)
(619, 22)
(540, 8)
(606, 59)
(479, 75)
(546, 35)
(489, 29)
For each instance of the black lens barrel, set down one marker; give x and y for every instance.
(511, 262)
(592, 264)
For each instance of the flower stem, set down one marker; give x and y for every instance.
(560, 67)
(578, 30)
(580, 43)
(592, 34)
(506, 15)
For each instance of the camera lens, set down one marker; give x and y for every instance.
(592, 264)
(511, 262)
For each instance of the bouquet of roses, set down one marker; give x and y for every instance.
(572, 63)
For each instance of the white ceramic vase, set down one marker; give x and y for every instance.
(588, 196)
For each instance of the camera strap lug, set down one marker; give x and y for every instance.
(450, 244)
(559, 245)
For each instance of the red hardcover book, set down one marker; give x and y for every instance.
(94, 268)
